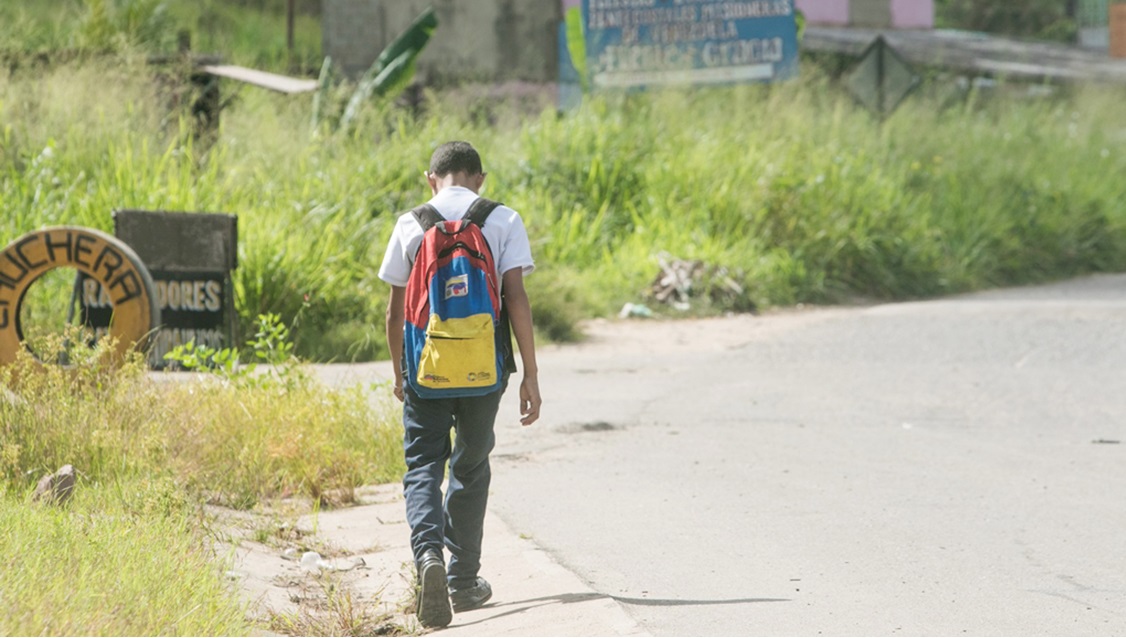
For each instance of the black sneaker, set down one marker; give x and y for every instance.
(433, 595)
(467, 598)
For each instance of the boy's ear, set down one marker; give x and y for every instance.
(432, 180)
(481, 180)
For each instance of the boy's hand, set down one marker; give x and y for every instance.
(529, 400)
(398, 391)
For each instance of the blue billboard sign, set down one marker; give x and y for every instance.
(636, 43)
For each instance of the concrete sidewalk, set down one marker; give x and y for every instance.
(533, 594)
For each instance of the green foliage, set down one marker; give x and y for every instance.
(116, 24)
(270, 346)
(559, 304)
(251, 33)
(394, 67)
(793, 190)
(247, 32)
(576, 43)
(1040, 19)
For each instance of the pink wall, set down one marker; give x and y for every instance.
(905, 14)
(833, 12)
(912, 14)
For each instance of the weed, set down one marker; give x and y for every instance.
(271, 346)
(333, 610)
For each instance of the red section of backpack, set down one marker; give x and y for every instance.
(427, 263)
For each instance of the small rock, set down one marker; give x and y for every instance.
(290, 554)
(44, 488)
(56, 488)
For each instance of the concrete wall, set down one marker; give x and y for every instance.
(351, 31)
(476, 40)
(869, 13)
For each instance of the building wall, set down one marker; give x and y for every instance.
(912, 14)
(826, 12)
(476, 40)
(351, 32)
(899, 14)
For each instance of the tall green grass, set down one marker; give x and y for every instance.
(793, 189)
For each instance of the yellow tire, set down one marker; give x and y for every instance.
(101, 256)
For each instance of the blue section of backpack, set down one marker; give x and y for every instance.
(457, 290)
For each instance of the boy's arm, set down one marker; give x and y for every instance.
(520, 316)
(396, 316)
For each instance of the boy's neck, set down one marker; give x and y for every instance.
(459, 179)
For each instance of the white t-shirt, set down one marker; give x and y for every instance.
(504, 231)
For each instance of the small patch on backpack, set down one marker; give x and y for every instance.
(457, 286)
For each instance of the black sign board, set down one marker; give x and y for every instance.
(190, 257)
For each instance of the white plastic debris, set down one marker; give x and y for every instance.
(311, 560)
(635, 310)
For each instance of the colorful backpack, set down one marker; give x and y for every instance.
(457, 341)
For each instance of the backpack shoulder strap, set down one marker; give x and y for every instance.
(480, 210)
(427, 216)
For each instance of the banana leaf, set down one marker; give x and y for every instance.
(413, 40)
(394, 67)
(576, 43)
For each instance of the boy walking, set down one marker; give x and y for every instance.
(455, 177)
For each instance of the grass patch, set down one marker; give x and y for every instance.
(131, 555)
(124, 558)
(232, 442)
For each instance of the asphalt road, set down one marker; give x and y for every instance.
(944, 467)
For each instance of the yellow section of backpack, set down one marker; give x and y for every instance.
(459, 353)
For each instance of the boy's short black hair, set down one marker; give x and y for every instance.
(455, 157)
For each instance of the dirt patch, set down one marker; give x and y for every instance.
(323, 572)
